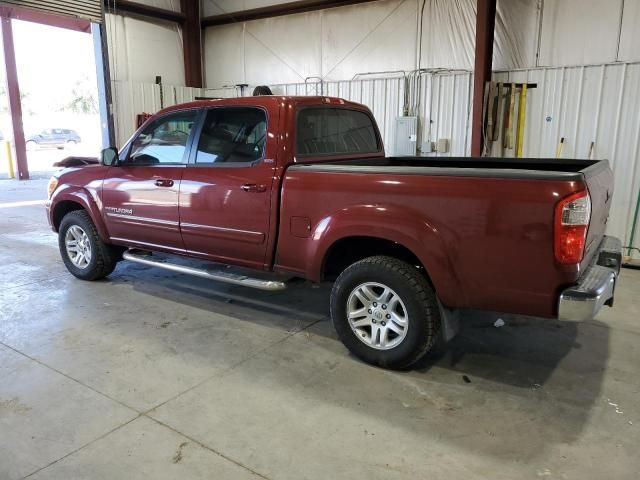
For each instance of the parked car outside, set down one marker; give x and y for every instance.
(53, 137)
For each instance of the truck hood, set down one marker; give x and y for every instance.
(77, 162)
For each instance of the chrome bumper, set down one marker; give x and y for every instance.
(595, 287)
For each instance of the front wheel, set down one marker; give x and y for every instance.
(84, 254)
(385, 312)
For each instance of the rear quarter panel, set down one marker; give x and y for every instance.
(486, 243)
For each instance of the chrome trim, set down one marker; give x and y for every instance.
(220, 276)
(441, 171)
(224, 233)
(137, 220)
(596, 286)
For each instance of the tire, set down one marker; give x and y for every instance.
(70, 144)
(102, 257)
(413, 305)
(30, 145)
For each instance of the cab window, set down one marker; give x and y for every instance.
(332, 131)
(163, 141)
(232, 136)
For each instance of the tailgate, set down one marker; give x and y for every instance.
(599, 180)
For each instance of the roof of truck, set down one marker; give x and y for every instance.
(267, 101)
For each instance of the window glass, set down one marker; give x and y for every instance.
(163, 141)
(326, 130)
(232, 135)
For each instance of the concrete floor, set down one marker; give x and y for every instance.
(157, 375)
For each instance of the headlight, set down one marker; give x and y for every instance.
(53, 184)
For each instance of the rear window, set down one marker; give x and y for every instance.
(327, 131)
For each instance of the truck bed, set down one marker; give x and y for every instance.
(534, 168)
(485, 225)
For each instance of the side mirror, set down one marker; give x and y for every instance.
(109, 157)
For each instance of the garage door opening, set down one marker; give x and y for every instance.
(59, 94)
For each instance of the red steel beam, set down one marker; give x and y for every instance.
(13, 95)
(485, 26)
(135, 8)
(288, 8)
(192, 43)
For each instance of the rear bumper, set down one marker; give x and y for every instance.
(596, 286)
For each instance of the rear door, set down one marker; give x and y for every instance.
(140, 195)
(225, 194)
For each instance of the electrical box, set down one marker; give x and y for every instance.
(443, 145)
(406, 136)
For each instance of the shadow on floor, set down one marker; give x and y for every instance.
(532, 380)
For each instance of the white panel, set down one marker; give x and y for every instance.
(223, 50)
(579, 32)
(515, 34)
(448, 37)
(630, 34)
(282, 49)
(140, 50)
(379, 36)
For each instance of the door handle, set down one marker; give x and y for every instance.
(253, 188)
(164, 182)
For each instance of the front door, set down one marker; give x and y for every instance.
(141, 194)
(225, 194)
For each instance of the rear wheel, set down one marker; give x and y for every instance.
(84, 254)
(31, 145)
(385, 312)
(71, 143)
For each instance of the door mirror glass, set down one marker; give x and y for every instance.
(109, 156)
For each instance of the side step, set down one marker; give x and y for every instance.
(226, 277)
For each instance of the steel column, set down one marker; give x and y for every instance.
(13, 95)
(485, 26)
(104, 84)
(192, 43)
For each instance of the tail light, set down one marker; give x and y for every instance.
(572, 217)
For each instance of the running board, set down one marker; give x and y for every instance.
(219, 276)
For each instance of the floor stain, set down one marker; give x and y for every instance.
(177, 458)
(14, 405)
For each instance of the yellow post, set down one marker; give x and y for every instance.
(7, 147)
(522, 110)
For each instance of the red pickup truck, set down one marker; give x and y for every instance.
(301, 186)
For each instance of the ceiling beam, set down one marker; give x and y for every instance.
(135, 8)
(288, 8)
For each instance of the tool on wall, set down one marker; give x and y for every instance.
(492, 98)
(496, 125)
(159, 83)
(560, 147)
(522, 110)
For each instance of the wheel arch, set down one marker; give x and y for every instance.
(70, 199)
(361, 232)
